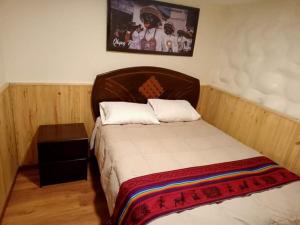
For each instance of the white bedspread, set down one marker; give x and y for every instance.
(127, 151)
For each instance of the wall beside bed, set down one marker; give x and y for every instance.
(47, 104)
(259, 55)
(271, 133)
(8, 150)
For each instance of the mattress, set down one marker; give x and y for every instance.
(127, 151)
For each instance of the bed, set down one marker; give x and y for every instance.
(127, 151)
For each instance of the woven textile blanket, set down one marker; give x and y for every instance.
(145, 198)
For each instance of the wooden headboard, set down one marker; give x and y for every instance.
(137, 84)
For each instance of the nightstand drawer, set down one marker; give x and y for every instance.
(53, 173)
(59, 151)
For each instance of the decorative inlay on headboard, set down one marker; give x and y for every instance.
(137, 84)
(151, 88)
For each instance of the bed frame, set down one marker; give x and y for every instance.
(137, 84)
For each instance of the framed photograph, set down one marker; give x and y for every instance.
(151, 27)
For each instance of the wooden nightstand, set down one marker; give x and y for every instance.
(62, 152)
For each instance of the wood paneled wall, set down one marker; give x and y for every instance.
(8, 153)
(37, 104)
(272, 134)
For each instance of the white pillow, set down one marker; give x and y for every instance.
(173, 110)
(126, 113)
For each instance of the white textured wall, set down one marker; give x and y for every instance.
(65, 41)
(259, 57)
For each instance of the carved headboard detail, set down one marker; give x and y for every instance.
(137, 84)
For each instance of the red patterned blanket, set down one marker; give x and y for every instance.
(142, 199)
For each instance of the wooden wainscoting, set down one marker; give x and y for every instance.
(8, 153)
(37, 104)
(271, 133)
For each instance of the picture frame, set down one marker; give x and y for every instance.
(151, 27)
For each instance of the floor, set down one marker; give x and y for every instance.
(80, 202)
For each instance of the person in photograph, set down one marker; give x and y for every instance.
(189, 39)
(152, 36)
(170, 42)
(135, 42)
(116, 33)
(184, 40)
(181, 40)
